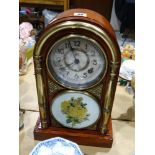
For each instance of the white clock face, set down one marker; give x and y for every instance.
(76, 62)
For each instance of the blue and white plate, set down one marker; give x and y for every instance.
(56, 146)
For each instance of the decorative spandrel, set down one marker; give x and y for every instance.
(96, 91)
(53, 87)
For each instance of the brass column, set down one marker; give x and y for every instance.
(109, 96)
(40, 91)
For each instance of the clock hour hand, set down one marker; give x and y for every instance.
(68, 65)
(65, 67)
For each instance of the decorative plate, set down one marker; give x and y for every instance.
(127, 70)
(75, 109)
(56, 146)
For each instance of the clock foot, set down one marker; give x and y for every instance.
(81, 137)
(104, 130)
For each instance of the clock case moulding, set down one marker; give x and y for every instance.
(91, 24)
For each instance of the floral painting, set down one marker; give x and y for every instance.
(75, 110)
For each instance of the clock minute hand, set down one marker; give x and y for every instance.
(70, 45)
(71, 48)
(76, 61)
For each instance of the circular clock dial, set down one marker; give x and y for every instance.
(76, 62)
(74, 109)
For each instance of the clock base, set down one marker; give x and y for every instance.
(81, 137)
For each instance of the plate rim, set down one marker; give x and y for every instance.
(33, 152)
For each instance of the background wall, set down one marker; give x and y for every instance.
(103, 7)
(114, 21)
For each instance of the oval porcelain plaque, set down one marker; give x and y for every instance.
(75, 109)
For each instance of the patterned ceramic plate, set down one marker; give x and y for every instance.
(127, 70)
(56, 146)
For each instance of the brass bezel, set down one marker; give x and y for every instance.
(80, 92)
(83, 37)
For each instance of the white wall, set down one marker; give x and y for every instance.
(114, 21)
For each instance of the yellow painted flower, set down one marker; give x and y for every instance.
(75, 110)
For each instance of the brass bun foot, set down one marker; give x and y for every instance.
(81, 137)
(104, 130)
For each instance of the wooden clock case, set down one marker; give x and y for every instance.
(91, 24)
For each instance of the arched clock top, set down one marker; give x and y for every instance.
(63, 22)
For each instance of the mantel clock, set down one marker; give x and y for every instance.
(77, 61)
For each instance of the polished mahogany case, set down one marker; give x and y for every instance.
(81, 22)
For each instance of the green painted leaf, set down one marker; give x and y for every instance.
(68, 120)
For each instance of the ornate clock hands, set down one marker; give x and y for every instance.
(70, 46)
(76, 61)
